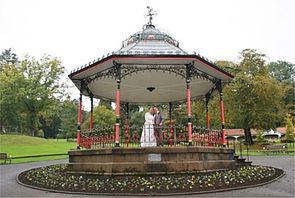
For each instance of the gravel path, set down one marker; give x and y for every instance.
(284, 187)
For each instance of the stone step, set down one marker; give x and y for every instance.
(236, 157)
(241, 159)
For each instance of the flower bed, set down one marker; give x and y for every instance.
(56, 178)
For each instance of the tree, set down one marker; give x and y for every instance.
(9, 74)
(41, 85)
(7, 57)
(282, 70)
(12, 81)
(289, 135)
(68, 115)
(255, 99)
(199, 113)
(102, 117)
(106, 103)
(259, 137)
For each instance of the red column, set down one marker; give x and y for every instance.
(170, 117)
(79, 121)
(91, 112)
(207, 119)
(207, 97)
(189, 112)
(222, 118)
(127, 138)
(117, 126)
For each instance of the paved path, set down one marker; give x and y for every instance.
(281, 188)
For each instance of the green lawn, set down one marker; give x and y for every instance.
(20, 145)
(256, 150)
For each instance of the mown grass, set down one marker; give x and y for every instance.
(257, 150)
(21, 145)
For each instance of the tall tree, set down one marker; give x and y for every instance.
(9, 73)
(102, 117)
(42, 84)
(255, 99)
(68, 111)
(290, 133)
(12, 81)
(7, 57)
(284, 72)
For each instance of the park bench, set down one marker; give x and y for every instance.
(276, 148)
(5, 157)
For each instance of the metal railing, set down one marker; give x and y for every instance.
(164, 135)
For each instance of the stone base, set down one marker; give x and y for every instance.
(150, 160)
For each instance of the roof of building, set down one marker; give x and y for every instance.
(240, 132)
(150, 41)
(152, 68)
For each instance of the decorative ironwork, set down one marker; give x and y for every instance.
(176, 69)
(171, 136)
(150, 14)
(108, 73)
(193, 72)
(121, 71)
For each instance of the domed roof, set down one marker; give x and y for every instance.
(152, 68)
(150, 41)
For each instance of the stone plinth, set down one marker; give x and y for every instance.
(150, 160)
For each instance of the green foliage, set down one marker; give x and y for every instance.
(41, 85)
(7, 57)
(253, 63)
(199, 113)
(229, 66)
(102, 117)
(282, 70)
(259, 137)
(30, 90)
(290, 133)
(68, 116)
(12, 81)
(137, 119)
(254, 98)
(106, 103)
(179, 114)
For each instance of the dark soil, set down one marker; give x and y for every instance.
(55, 177)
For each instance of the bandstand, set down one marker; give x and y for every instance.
(150, 68)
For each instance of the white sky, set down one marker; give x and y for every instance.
(80, 31)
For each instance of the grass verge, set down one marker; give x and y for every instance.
(21, 145)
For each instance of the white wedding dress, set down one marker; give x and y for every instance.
(148, 138)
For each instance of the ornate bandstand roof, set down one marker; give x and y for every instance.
(152, 68)
(150, 41)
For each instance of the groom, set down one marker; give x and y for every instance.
(158, 124)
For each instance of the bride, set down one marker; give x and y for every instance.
(148, 138)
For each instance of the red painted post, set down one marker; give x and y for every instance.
(207, 97)
(170, 125)
(117, 125)
(207, 120)
(127, 138)
(79, 122)
(222, 119)
(91, 112)
(189, 112)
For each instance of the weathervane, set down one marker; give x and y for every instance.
(150, 14)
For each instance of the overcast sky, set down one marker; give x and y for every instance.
(79, 31)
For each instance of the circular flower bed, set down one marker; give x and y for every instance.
(56, 178)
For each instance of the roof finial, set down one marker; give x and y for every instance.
(150, 14)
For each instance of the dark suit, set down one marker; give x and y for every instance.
(158, 123)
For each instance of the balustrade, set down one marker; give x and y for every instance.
(174, 135)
